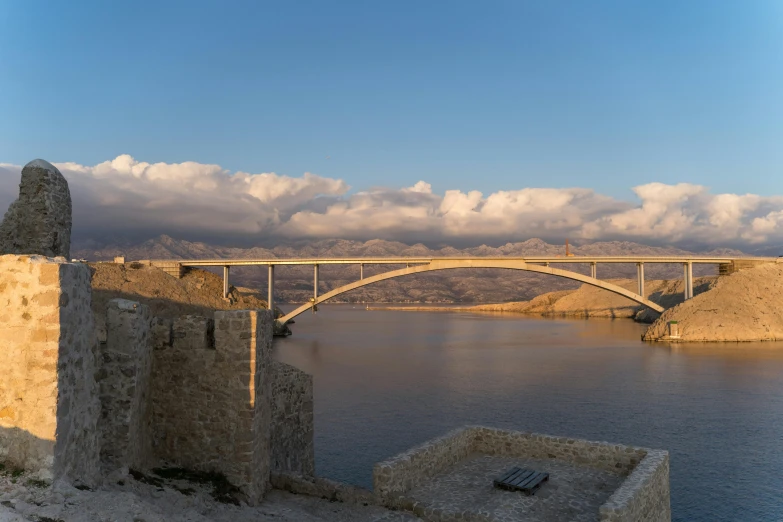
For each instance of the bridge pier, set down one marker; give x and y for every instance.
(688, 280)
(225, 281)
(594, 270)
(270, 299)
(361, 271)
(315, 281)
(640, 277)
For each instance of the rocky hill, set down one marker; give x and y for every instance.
(294, 284)
(589, 301)
(198, 292)
(744, 306)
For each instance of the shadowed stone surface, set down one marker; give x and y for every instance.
(39, 221)
(125, 364)
(292, 420)
(572, 493)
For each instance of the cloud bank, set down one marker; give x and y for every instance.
(128, 198)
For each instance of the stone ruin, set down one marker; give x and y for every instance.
(85, 400)
(39, 222)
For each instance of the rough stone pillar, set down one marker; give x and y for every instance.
(125, 363)
(39, 221)
(243, 339)
(48, 397)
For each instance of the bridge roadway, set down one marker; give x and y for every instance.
(414, 265)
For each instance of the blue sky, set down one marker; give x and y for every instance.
(464, 95)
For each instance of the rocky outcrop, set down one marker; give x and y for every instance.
(591, 301)
(39, 222)
(743, 306)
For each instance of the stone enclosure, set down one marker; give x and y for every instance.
(450, 478)
(80, 401)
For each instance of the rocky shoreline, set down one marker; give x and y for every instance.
(740, 307)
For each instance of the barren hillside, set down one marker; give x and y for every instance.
(744, 306)
(589, 301)
(198, 292)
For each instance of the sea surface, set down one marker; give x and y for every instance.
(388, 380)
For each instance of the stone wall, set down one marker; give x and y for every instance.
(404, 471)
(48, 397)
(125, 361)
(210, 396)
(292, 420)
(643, 495)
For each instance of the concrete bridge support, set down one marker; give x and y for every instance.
(688, 280)
(225, 281)
(270, 299)
(315, 281)
(593, 270)
(446, 264)
(640, 277)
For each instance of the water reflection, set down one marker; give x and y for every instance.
(386, 380)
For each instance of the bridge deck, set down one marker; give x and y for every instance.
(427, 260)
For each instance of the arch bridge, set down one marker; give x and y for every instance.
(415, 265)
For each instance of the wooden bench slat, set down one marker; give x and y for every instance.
(512, 474)
(520, 479)
(531, 480)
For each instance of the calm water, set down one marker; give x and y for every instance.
(387, 380)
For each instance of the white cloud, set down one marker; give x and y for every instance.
(128, 196)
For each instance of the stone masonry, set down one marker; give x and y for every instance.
(292, 421)
(125, 364)
(461, 462)
(49, 405)
(210, 396)
(39, 222)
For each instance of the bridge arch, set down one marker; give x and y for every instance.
(450, 264)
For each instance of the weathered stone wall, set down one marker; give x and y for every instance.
(292, 427)
(48, 397)
(616, 458)
(39, 221)
(125, 361)
(643, 495)
(404, 471)
(210, 396)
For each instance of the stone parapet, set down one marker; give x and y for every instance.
(403, 472)
(49, 405)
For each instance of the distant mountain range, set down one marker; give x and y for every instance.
(294, 284)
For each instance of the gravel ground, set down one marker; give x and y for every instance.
(24, 500)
